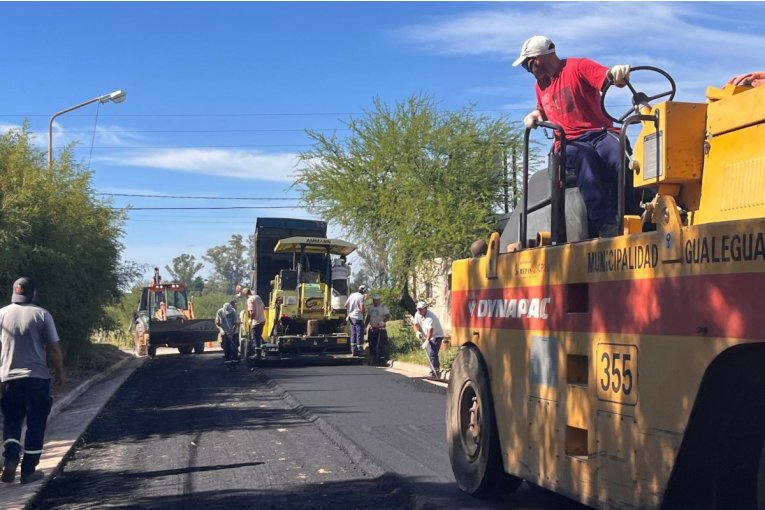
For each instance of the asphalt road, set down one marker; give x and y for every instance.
(397, 423)
(183, 432)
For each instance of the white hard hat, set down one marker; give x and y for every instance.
(376, 296)
(421, 305)
(534, 47)
(362, 288)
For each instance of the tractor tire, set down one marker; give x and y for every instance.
(471, 429)
(152, 350)
(140, 345)
(199, 348)
(186, 349)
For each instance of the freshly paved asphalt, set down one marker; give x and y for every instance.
(396, 422)
(182, 432)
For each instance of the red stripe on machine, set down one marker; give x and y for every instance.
(723, 305)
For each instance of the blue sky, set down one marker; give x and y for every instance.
(219, 94)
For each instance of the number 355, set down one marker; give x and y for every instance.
(617, 373)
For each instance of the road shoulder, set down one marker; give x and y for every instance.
(65, 428)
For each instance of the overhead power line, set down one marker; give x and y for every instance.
(277, 114)
(296, 130)
(192, 197)
(186, 146)
(272, 114)
(203, 208)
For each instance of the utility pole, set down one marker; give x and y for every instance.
(515, 178)
(506, 184)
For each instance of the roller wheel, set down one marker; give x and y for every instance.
(474, 449)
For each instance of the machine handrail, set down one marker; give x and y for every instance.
(557, 189)
(620, 206)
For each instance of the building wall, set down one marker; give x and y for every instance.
(431, 284)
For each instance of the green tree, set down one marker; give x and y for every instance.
(53, 229)
(230, 263)
(185, 268)
(409, 183)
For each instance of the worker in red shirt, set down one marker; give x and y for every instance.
(568, 94)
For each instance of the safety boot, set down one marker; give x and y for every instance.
(32, 477)
(9, 471)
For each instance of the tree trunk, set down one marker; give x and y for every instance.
(406, 301)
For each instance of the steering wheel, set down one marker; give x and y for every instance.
(639, 99)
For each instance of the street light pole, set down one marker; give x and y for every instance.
(116, 97)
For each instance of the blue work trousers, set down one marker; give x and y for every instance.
(357, 334)
(28, 398)
(596, 159)
(378, 344)
(434, 345)
(257, 335)
(230, 344)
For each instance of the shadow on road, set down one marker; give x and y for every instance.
(379, 493)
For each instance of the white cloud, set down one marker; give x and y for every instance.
(696, 42)
(36, 138)
(110, 135)
(239, 164)
(577, 28)
(104, 135)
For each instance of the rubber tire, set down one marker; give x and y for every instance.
(761, 481)
(477, 468)
(199, 348)
(152, 350)
(186, 349)
(140, 347)
(243, 348)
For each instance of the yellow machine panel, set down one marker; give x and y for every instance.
(680, 139)
(734, 108)
(734, 165)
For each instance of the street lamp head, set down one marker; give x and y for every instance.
(115, 97)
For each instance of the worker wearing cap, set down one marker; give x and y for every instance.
(569, 95)
(428, 328)
(28, 337)
(356, 310)
(377, 315)
(256, 313)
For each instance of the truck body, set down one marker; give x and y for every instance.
(304, 290)
(267, 263)
(165, 318)
(627, 372)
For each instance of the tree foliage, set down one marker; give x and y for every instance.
(54, 230)
(410, 183)
(185, 268)
(230, 263)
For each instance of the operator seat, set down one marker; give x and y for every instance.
(289, 279)
(578, 227)
(539, 190)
